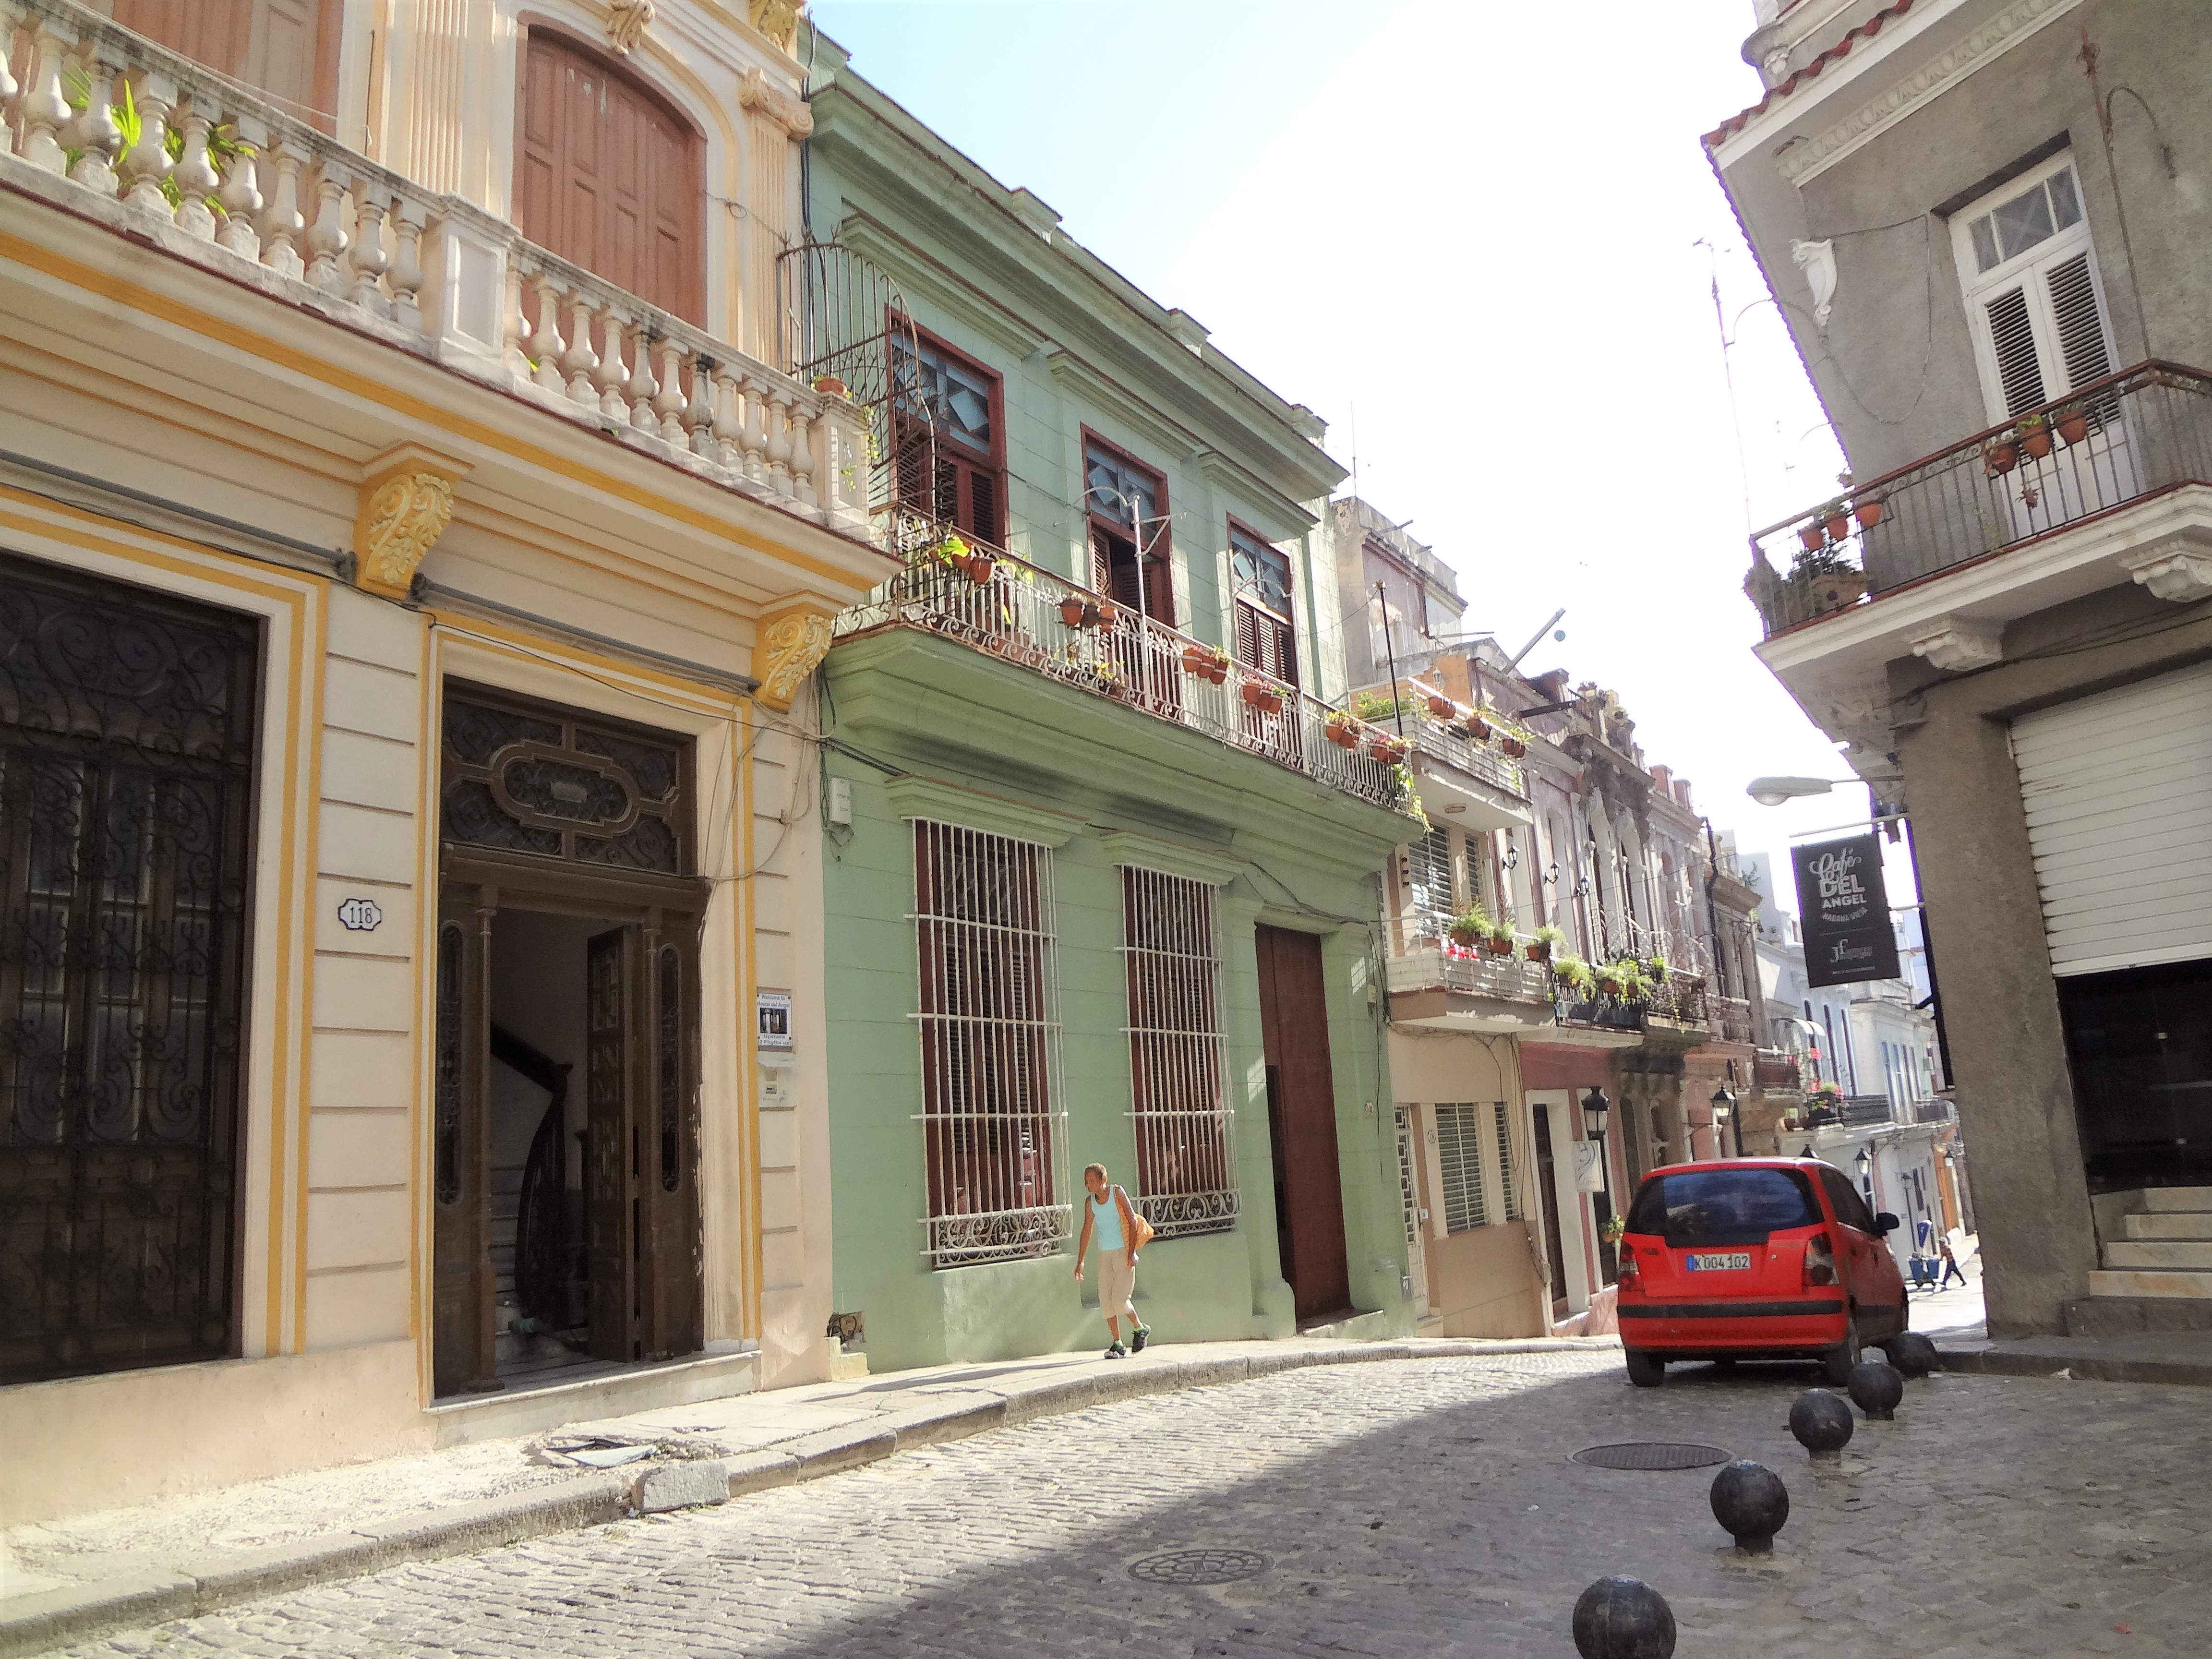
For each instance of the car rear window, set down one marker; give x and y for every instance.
(1724, 1207)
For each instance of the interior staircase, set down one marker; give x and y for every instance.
(2156, 1273)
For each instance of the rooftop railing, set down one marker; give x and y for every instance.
(167, 151)
(2131, 435)
(961, 588)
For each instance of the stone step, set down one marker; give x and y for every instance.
(2142, 1281)
(2163, 1253)
(2169, 1224)
(2131, 1316)
(2171, 1198)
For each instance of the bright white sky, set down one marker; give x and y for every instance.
(1467, 232)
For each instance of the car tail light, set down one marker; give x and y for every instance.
(1819, 1261)
(1630, 1276)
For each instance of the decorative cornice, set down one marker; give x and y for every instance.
(1125, 847)
(1956, 643)
(2176, 566)
(757, 92)
(405, 503)
(913, 796)
(1981, 46)
(791, 641)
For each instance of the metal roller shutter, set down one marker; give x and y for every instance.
(2119, 793)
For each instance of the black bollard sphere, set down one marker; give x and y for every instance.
(1750, 1500)
(1877, 1388)
(1913, 1354)
(1620, 1617)
(1822, 1423)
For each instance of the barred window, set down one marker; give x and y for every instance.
(1459, 1162)
(992, 1127)
(1186, 1174)
(1510, 1200)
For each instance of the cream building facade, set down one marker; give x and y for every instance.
(409, 886)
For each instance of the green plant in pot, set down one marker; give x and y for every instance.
(1545, 940)
(1499, 938)
(2034, 432)
(1572, 971)
(1470, 928)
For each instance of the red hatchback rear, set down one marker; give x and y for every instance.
(1754, 1259)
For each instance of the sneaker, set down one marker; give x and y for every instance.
(1117, 1352)
(1144, 1334)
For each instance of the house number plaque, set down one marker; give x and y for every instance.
(360, 915)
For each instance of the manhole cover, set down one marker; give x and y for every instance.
(1198, 1566)
(1651, 1454)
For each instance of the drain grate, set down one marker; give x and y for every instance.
(1651, 1454)
(1199, 1567)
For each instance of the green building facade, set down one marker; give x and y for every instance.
(1101, 873)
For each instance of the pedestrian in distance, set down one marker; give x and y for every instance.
(1120, 1232)
(1951, 1268)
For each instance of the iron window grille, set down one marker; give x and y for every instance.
(1459, 1163)
(994, 1131)
(1409, 1196)
(1509, 1198)
(1186, 1167)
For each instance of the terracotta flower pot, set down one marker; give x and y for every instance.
(1498, 947)
(1869, 513)
(1465, 938)
(1838, 526)
(2074, 427)
(1479, 730)
(1812, 536)
(1441, 708)
(1538, 952)
(1254, 693)
(830, 385)
(1272, 703)
(980, 569)
(1071, 611)
(1514, 747)
(2000, 459)
(1218, 673)
(2036, 443)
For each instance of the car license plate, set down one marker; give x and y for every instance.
(1721, 1262)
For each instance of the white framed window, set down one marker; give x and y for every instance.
(1459, 1167)
(2034, 297)
(1186, 1162)
(993, 1128)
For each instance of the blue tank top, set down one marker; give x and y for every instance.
(1106, 1222)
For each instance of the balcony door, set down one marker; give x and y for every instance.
(287, 50)
(607, 175)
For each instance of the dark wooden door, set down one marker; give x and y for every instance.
(286, 49)
(462, 1337)
(1294, 1032)
(1547, 1193)
(607, 176)
(641, 1220)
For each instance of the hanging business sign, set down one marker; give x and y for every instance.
(1845, 910)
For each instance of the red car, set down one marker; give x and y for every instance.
(1754, 1259)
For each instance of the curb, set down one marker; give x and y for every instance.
(200, 1585)
(2083, 1367)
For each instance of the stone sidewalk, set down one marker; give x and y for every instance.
(66, 1580)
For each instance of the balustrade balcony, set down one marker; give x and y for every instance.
(1004, 606)
(257, 197)
(2131, 436)
(1424, 957)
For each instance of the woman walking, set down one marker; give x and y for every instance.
(1108, 1215)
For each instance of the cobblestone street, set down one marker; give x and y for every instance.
(1425, 1507)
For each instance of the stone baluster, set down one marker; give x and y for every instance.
(755, 434)
(581, 360)
(43, 112)
(369, 260)
(409, 216)
(779, 439)
(195, 172)
(282, 226)
(641, 389)
(326, 237)
(611, 376)
(513, 326)
(727, 436)
(669, 406)
(802, 455)
(11, 14)
(147, 164)
(546, 343)
(93, 132)
(240, 195)
(699, 413)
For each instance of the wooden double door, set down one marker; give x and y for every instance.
(1302, 1122)
(641, 1244)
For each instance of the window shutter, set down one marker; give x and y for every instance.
(1459, 1162)
(2012, 337)
(2081, 322)
(1429, 873)
(1512, 1200)
(1248, 636)
(983, 498)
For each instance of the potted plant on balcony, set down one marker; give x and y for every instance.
(1202, 662)
(1341, 730)
(1498, 941)
(1470, 928)
(2034, 432)
(1513, 746)
(830, 386)
(1868, 512)
(2000, 455)
(1572, 971)
(1811, 536)
(1545, 940)
(1070, 610)
(1440, 706)
(1108, 677)
(1835, 520)
(2071, 423)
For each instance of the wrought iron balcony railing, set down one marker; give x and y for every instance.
(2125, 438)
(272, 202)
(1006, 607)
(1679, 1000)
(1423, 955)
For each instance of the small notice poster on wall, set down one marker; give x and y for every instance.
(1589, 1174)
(774, 1017)
(1844, 909)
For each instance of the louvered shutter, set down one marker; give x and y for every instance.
(1459, 1162)
(2012, 337)
(983, 504)
(1429, 873)
(2118, 791)
(2081, 322)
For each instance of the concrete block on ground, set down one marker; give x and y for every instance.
(684, 1486)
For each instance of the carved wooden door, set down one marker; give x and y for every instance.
(611, 1222)
(463, 1335)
